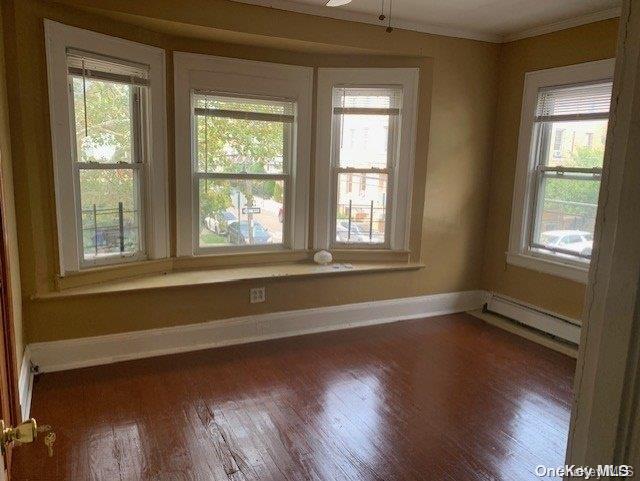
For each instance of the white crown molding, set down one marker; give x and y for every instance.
(342, 14)
(564, 24)
(93, 351)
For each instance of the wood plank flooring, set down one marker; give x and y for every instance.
(445, 398)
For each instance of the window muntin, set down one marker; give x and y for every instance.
(570, 129)
(364, 155)
(107, 102)
(242, 170)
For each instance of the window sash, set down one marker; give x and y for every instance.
(286, 225)
(288, 120)
(138, 164)
(542, 136)
(336, 169)
(106, 259)
(138, 111)
(541, 171)
(285, 176)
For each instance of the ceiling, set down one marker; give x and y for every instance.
(491, 20)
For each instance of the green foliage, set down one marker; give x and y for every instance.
(568, 191)
(104, 133)
(587, 157)
(237, 146)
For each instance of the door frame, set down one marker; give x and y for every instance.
(8, 370)
(605, 421)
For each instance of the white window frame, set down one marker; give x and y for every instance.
(519, 253)
(196, 72)
(400, 174)
(59, 38)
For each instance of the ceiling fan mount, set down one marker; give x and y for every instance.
(381, 17)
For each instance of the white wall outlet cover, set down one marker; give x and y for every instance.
(323, 258)
(257, 294)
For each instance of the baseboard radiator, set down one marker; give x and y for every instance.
(547, 322)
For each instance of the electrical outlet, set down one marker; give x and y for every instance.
(257, 294)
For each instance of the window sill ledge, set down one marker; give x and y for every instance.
(229, 275)
(549, 266)
(223, 260)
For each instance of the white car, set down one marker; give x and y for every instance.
(578, 241)
(342, 232)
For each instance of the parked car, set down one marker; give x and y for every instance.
(238, 233)
(218, 223)
(577, 241)
(342, 232)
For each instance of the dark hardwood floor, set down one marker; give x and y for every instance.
(446, 398)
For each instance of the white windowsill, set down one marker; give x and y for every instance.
(549, 266)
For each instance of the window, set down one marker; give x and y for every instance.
(365, 149)
(561, 167)
(370, 115)
(109, 147)
(242, 160)
(242, 145)
(107, 100)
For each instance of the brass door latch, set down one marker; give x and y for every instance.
(25, 433)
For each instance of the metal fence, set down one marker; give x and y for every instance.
(362, 222)
(108, 231)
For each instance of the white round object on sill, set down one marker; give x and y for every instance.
(323, 258)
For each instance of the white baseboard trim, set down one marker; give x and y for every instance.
(93, 351)
(25, 384)
(540, 319)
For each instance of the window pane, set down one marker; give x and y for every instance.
(361, 209)
(575, 144)
(364, 140)
(105, 134)
(566, 212)
(241, 212)
(239, 145)
(110, 212)
(229, 140)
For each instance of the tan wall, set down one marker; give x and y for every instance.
(455, 139)
(11, 236)
(581, 44)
